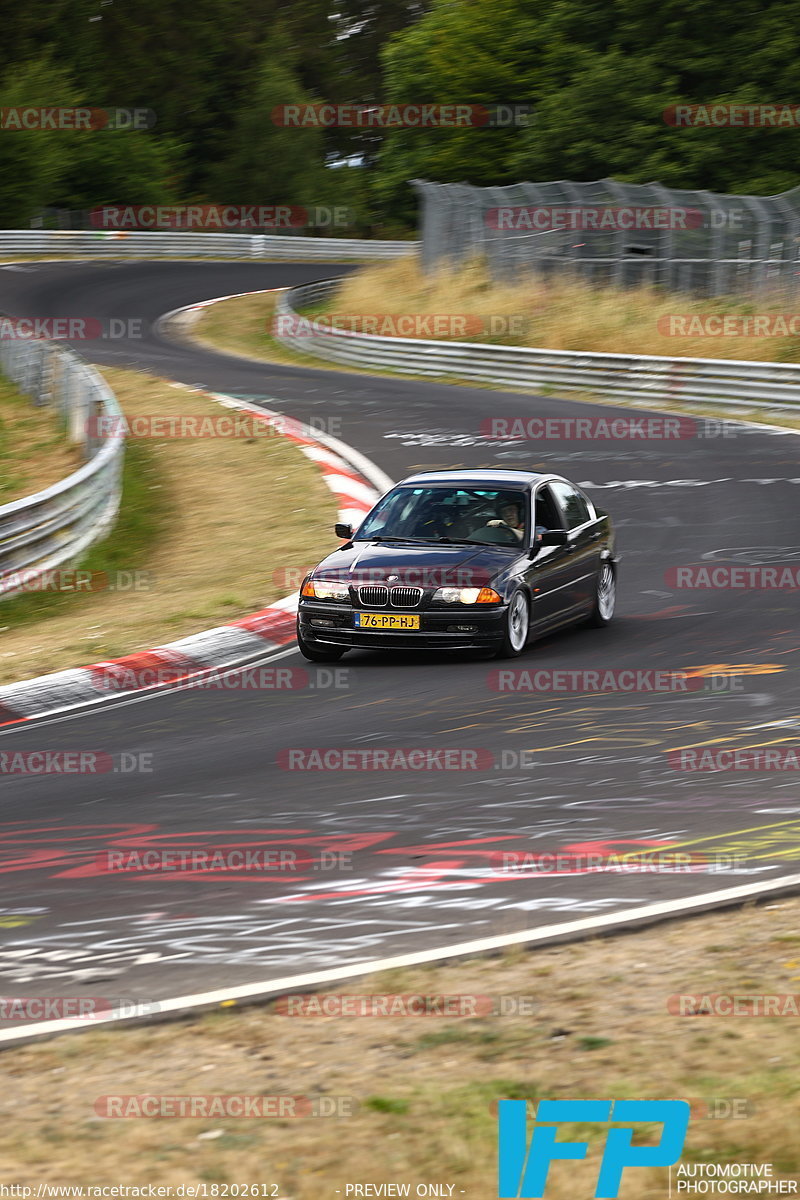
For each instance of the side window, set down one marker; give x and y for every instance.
(574, 505)
(547, 515)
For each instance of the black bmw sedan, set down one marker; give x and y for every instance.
(456, 560)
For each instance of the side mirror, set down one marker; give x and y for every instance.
(343, 531)
(554, 537)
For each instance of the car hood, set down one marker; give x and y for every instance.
(417, 566)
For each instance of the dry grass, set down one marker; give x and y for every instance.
(242, 326)
(235, 512)
(34, 451)
(425, 1087)
(562, 313)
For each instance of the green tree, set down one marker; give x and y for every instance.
(197, 68)
(265, 161)
(32, 162)
(121, 166)
(601, 77)
(607, 77)
(75, 169)
(465, 52)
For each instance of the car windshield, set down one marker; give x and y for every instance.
(491, 515)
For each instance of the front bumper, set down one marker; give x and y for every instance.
(439, 628)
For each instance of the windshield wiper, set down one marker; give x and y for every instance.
(472, 542)
(385, 537)
(446, 541)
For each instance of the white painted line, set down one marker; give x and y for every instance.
(342, 485)
(326, 458)
(288, 603)
(290, 983)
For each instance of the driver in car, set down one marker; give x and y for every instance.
(511, 518)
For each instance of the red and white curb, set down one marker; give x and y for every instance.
(355, 482)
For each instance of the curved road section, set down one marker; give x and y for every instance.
(533, 785)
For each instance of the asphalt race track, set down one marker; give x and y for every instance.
(412, 857)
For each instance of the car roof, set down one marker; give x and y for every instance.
(481, 478)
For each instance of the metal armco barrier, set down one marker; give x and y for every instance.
(139, 244)
(57, 525)
(640, 377)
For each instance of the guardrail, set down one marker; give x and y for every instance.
(57, 525)
(639, 377)
(175, 244)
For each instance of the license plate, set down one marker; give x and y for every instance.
(385, 621)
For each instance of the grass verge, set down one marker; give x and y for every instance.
(34, 450)
(242, 326)
(214, 527)
(424, 1088)
(561, 313)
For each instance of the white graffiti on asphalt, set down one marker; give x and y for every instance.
(661, 483)
(755, 555)
(447, 437)
(86, 951)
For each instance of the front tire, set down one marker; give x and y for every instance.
(320, 654)
(605, 598)
(517, 626)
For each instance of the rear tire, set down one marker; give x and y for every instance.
(320, 654)
(605, 598)
(517, 626)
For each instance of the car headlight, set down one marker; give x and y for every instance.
(325, 589)
(454, 595)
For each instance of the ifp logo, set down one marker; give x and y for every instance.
(523, 1169)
